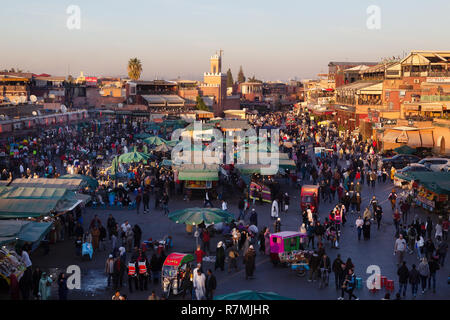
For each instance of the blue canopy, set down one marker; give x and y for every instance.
(23, 231)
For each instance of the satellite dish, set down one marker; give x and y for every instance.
(15, 102)
(33, 98)
(51, 96)
(63, 108)
(34, 113)
(102, 92)
(23, 99)
(2, 117)
(120, 105)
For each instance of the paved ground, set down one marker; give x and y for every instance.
(378, 250)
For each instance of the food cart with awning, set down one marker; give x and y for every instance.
(260, 188)
(197, 177)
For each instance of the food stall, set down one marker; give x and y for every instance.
(174, 271)
(10, 263)
(285, 249)
(432, 189)
(197, 177)
(260, 191)
(261, 185)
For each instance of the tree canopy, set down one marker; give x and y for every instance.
(134, 68)
(201, 104)
(230, 80)
(253, 79)
(241, 77)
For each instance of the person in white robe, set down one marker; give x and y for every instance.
(200, 285)
(275, 209)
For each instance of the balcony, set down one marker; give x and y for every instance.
(439, 74)
(10, 89)
(369, 102)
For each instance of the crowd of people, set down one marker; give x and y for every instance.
(350, 165)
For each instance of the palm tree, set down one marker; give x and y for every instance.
(134, 68)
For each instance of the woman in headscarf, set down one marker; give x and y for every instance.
(45, 286)
(220, 256)
(249, 260)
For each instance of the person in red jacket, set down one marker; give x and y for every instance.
(199, 254)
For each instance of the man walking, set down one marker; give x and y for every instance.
(211, 284)
(109, 269)
(348, 286)
(165, 203)
(403, 275)
(208, 200)
(146, 201)
(359, 226)
(338, 271)
(400, 248)
(414, 279)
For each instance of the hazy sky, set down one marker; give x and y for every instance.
(274, 40)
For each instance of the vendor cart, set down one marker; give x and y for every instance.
(309, 196)
(260, 192)
(282, 246)
(174, 271)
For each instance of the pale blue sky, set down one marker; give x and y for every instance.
(274, 40)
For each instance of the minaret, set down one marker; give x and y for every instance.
(216, 63)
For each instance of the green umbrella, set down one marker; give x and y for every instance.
(154, 140)
(142, 135)
(195, 216)
(251, 295)
(172, 143)
(90, 181)
(163, 148)
(133, 157)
